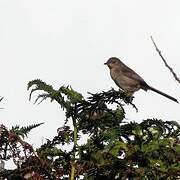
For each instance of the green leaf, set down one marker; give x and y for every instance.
(23, 131)
(118, 146)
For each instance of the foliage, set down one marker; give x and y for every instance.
(115, 149)
(23, 131)
(12, 146)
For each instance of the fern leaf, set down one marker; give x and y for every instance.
(23, 131)
(71, 94)
(42, 97)
(40, 85)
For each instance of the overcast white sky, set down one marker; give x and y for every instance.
(67, 42)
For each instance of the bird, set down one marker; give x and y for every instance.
(128, 80)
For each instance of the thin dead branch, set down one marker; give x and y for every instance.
(165, 62)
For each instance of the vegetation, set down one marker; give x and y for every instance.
(115, 148)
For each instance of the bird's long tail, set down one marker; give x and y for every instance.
(163, 94)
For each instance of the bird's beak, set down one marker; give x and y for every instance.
(105, 63)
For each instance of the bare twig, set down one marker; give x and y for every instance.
(165, 62)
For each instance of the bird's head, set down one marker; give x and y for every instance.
(113, 62)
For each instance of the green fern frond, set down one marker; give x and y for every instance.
(39, 85)
(42, 97)
(65, 96)
(23, 131)
(71, 94)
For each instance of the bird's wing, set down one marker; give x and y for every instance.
(133, 75)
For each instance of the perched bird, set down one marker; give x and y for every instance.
(128, 80)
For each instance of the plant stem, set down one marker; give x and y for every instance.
(74, 149)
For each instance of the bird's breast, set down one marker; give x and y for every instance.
(124, 82)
